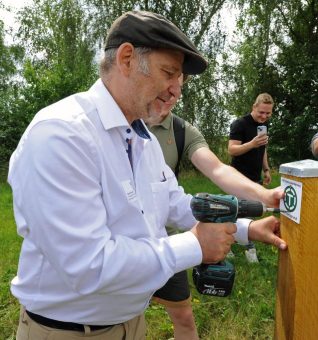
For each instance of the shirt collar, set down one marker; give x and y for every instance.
(110, 113)
(108, 110)
(140, 128)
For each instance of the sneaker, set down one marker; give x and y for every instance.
(230, 254)
(251, 255)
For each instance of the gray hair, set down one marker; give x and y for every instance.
(110, 55)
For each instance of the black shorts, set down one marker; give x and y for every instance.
(176, 289)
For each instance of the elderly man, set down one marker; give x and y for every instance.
(92, 195)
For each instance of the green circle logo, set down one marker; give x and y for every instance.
(290, 200)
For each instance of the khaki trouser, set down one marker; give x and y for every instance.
(28, 329)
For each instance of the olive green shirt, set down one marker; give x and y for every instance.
(165, 135)
(193, 140)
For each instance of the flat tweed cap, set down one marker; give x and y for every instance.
(146, 29)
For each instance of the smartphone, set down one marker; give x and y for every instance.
(262, 130)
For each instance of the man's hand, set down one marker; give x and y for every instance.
(267, 230)
(267, 178)
(271, 197)
(259, 140)
(215, 240)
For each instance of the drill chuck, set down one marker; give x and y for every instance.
(250, 209)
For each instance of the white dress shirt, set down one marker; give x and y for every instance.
(95, 246)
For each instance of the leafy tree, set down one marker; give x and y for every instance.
(61, 38)
(60, 50)
(277, 54)
(9, 57)
(298, 81)
(7, 66)
(59, 61)
(252, 71)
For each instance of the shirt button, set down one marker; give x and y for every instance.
(128, 130)
(142, 211)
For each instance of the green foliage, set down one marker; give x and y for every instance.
(298, 86)
(59, 62)
(9, 253)
(12, 123)
(10, 55)
(249, 76)
(60, 49)
(278, 54)
(7, 67)
(61, 38)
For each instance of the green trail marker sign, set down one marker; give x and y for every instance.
(291, 204)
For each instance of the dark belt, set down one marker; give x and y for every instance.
(67, 326)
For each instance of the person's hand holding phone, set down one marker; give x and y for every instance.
(261, 137)
(262, 130)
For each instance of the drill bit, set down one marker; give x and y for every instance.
(274, 210)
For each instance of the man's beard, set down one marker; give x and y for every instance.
(154, 118)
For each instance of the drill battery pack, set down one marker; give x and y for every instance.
(214, 279)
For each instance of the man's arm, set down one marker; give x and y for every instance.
(266, 170)
(232, 181)
(236, 148)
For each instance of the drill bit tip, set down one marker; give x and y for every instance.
(274, 210)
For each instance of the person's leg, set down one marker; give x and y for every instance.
(250, 253)
(183, 322)
(135, 329)
(175, 296)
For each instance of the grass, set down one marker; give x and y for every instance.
(248, 313)
(10, 245)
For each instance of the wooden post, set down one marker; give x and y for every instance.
(297, 285)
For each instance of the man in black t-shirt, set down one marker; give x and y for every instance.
(248, 148)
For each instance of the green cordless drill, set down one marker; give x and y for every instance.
(217, 279)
